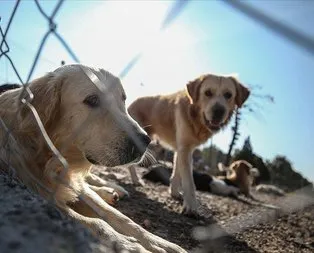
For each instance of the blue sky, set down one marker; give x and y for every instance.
(208, 36)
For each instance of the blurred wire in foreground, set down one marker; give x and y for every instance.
(173, 13)
(296, 37)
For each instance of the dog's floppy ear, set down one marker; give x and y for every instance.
(242, 92)
(46, 91)
(193, 88)
(254, 172)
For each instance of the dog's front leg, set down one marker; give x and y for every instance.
(102, 229)
(94, 180)
(175, 180)
(184, 166)
(126, 226)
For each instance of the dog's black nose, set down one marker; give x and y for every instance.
(145, 140)
(218, 112)
(139, 143)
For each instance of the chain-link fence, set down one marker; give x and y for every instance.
(26, 97)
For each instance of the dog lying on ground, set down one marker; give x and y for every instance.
(185, 120)
(231, 185)
(241, 174)
(156, 154)
(88, 123)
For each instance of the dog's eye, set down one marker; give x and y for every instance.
(208, 93)
(123, 97)
(92, 101)
(227, 95)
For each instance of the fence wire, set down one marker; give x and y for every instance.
(26, 97)
(299, 39)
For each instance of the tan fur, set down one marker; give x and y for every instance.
(183, 120)
(103, 134)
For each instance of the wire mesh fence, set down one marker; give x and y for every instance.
(26, 98)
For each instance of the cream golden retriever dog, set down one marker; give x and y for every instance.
(186, 119)
(88, 123)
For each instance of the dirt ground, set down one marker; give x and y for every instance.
(233, 225)
(30, 224)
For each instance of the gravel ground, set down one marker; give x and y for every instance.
(233, 226)
(30, 224)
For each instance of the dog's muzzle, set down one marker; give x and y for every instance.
(91, 160)
(127, 152)
(212, 125)
(135, 149)
(218, 113)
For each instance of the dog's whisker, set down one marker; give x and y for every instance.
(147, 126)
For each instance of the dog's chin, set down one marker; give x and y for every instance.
(212, 125)
(124, 158)
(92, 160)
(130, 154)
(134, 161)
(130, 158)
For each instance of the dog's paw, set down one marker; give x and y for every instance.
(134, 246)
(116, 241)
(162, 245)
(110, 196)
(115, 198)
(190, 210)
(128, 244)
(121, 192)
(190, 213)
(177, 196)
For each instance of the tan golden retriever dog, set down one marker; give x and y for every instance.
(88, 123)
(186, 119)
